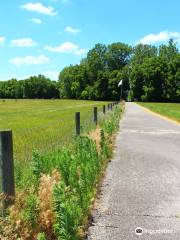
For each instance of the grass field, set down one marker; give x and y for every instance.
(170, 110)
(43, 125)
(55, 190)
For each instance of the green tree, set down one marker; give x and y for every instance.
(118, 55)
(142, 52)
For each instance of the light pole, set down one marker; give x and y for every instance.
(120, 84)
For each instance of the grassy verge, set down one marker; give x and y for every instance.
(170, 110)
(62, 187)
(44, 125)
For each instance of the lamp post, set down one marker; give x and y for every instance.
(120, 84)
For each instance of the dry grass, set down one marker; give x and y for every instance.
(15, 226)
(95, 135)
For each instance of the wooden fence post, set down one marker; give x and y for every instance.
(78, 123)
(104, 109)
(7, 167)
(95, 115)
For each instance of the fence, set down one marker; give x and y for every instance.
(6, 154)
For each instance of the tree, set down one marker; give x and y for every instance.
(169, 51)
(96, 61)
(172, 82)
(142, 52)
(118, 55)
(148, 73)
(40, 87)
(72, 81)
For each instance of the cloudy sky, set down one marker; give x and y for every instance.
(44, 36)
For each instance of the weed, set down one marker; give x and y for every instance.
(31, 211)
(41, 236)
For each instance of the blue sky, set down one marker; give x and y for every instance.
(44, 36)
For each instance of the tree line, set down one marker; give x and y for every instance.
(149, 73)
(33, 87)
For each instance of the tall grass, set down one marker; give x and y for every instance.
(42, 125)
(60, 187)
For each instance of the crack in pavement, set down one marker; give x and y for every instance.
(105, 226)
(138, 215)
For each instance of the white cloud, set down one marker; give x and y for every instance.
(80, 51)
(39, 8)
(2, 40)
(12, 76)
(36, 20)
(72, 30)
(53, 75)
(29, 60)
(23, 42)
(66, 47)
(160, 37)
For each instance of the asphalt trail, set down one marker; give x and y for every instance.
(142, 184)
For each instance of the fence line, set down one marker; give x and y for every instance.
(6, 155)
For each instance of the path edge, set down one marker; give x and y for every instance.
(159, 115)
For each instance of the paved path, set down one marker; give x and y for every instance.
(142, 184)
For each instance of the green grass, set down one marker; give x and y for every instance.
(43, 125)
(170, 110)
(69, 178)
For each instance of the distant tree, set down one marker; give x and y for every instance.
(96, 61)
(149, 73)
(172, 81)
(40, 87)
(10, 89)
(72, 81)
(169, 51)
(118, 55)
(33, 87)
(113, 91)
(154, 75)
(136, 82)
(141, 52)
